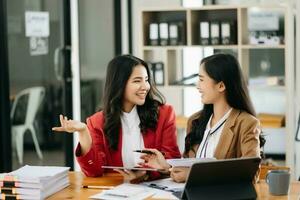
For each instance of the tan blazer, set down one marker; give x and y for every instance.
(239, 138)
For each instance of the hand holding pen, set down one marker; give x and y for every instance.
(154, 159)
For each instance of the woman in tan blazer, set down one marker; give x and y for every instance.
(226, 127)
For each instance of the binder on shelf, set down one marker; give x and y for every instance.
(157, 70)
(228, 32)
(177, 33)
(174, 34)
(204, 33)
(163, 34)
(215, 33)
(153, 34)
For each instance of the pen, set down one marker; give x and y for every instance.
(98, 187)
(143, 151)
(148, 152)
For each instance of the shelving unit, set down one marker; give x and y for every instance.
(175, 60)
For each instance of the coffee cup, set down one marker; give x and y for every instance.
(278, 181)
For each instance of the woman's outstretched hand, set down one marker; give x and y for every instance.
(69, 125)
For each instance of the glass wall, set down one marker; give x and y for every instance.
(35, 33)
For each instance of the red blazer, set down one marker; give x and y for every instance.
(163, 139)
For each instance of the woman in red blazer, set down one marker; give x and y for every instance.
(134, 110)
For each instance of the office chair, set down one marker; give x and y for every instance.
(35, 96)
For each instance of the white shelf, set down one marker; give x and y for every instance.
(164, 47)
(262, 46)
(217, 46)
(277, 99)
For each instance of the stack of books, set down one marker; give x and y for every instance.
(271, 120)
(33, 182)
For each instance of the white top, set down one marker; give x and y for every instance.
(211, 137)
(132, 138)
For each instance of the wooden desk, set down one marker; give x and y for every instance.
(75, 190)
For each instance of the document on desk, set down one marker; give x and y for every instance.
(166, 184)
(125, 191)
(187, 162)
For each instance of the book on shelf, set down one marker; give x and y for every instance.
(177, 33)
(228, 32)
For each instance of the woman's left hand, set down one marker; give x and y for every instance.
(132, 176)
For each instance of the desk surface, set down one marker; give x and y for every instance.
(75, 190)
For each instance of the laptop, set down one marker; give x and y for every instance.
(221, 179)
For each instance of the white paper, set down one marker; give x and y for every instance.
(186, 162)
(35, 174)
(38, 46)
(125, 191)
(36, 24)
(164, 195)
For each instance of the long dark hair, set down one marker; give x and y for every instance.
(118, 72)
(225, 68)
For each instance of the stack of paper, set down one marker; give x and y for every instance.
(33, 182)
(128, 191)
